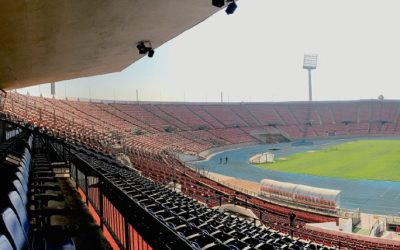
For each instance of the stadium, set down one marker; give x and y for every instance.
(86, 173)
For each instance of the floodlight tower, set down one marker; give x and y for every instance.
(310, 63)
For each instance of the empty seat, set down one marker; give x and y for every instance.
(12, 227)
(5, 243)
(19, 209)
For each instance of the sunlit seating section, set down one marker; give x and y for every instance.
(196, 127)
(265, 114)
(184, 115)
(285, 113)
(244, 113)
(204, 115)
(224, 114)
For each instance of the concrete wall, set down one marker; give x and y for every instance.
(345, 225)
(210, 152)
(354, 236)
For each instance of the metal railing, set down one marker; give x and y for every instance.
(129, 223)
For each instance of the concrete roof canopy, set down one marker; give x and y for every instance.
(46, 41)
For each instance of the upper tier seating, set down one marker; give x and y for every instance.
(193, 128)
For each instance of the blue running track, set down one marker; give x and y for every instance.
(377, 197)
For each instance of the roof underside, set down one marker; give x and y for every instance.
(46, 41)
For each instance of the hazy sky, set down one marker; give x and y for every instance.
(257, 54)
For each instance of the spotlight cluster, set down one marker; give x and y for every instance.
(145, 47)
(230, 9)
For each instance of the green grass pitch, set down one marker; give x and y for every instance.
(363, 159)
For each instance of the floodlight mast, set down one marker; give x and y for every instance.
(310, 63)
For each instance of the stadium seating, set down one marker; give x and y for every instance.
(20, 196)
(183, 114)
(176, 125)
(203, 227)
(244, 113)
(5, 243)
(152, 135)
(199, 111)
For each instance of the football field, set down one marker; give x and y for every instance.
(362, 159)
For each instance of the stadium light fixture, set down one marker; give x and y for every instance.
(150, 53)
(310, 63)
(141, 47)
(218, 3)
(230, 9)
(144, 47)
(232, 6)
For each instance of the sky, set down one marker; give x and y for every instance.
(257, 53)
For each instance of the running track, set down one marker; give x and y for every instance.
(377, 197)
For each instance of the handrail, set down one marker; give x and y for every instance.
(153, 231)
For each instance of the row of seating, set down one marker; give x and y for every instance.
(190, 185)
(12, 132)
(290, 116)
(166, 169)
(101, 124)
(58, 121)
(162, 173)
(25, 214)
(189, 115)
(203, 227)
